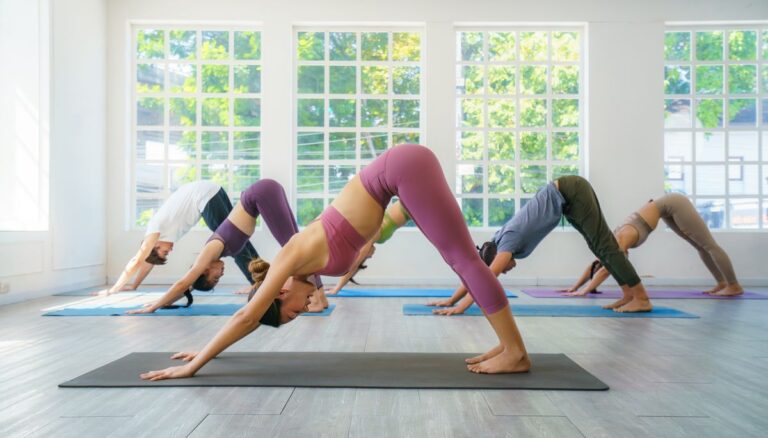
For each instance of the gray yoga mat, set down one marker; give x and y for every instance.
(343, 370)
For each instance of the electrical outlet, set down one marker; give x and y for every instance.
(5, 288)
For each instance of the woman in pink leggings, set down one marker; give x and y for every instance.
(330, 246)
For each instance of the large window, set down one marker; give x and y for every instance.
(358, 92)
(716, 122)
(519, 116)
(196, 110)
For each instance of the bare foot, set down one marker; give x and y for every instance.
(623, 301)
(485, 356)
(504, 362)
(730, 291)
(636, 305)
(716, 288)
(315, 307)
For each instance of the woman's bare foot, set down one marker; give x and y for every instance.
(622, 302)
(729, 291)
(636, 305)
(485, 356)
(716, 288)
(504, 362)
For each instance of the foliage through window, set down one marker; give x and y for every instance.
(519, 117)
(358, 93)
(716, 122)
(196, 110)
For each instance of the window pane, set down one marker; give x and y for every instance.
(744, 213)
(709, 46)
(248, 45)
(310, 146)
(565, 146)
(182, 111)
(311, 79)
(247, 112)
(501, 146)
(471, 112)
(310, 112)
(533, 112)
(743, 179)
(339, 176)
(309, 179)
(149, 111)
(150, 44)
(373, 144)
(150, 145)
(470, 146)
(677, 46)
(342, 146)
(472, 209)
(247, 145)
(342, 46)
(469, 178)
(678, 178)
(182, 78)
(214, 145)
(565, 112)
(405, 138)
(180, 174)
(470, 79)
(374, 113)
(710, 146)
(470, 46)
(182, 145)
(247, 78)
(341, 113)
(677, 113)
(565, 79)
(406, 113)
(678, 146)
(243, 176)
(533, 46)
(533, 79)
(558, 171)
(709, 113)
(532, 177)
(743, 145)
(375, 80)
(565, 46)
(710, 180)
(533, 146)
(501, 113)
(149, 177)
(182, 44)
(500, 211)
(311, 46)
(501, 179)
(501, 46)
(406, 80)
(343, 79)
(375, 46)
(742, 45)
(215, 44)
(712, 211)
(150, 78)
(677, 79)
(215, 78)
(145, 209)
(215, 112)
(709, 79)
(501, 80)
(406, 46)
(742, 78)
(307, 210)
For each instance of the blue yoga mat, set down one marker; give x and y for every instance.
(194, 310)
(400, 293)
(224, 292)
(559, 310)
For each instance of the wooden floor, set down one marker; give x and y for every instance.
(669, 377)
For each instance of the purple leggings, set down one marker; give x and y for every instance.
(266, 197)
(413, 173)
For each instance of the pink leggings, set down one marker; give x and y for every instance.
(412, 173)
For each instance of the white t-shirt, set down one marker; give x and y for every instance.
(182, 210)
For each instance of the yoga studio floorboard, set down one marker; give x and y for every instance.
(699, 377)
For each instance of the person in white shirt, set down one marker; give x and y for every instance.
(174, 219)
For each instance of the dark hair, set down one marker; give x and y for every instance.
(155, 259)
(352, 278)
(487, 252)
(596, 265)
(202, 283)
(272, 315)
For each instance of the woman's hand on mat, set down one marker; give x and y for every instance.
(440, 303)
(146, 309)
(186, 356)
(128, 288)
(102, 293)
(578, 293)
(179, 372)
(449, 311)
(569, 290)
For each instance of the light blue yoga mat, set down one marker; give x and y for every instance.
(223, 292)
(194, 310)
(400, 293)
(559, 310)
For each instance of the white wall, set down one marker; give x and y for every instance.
(72, 252)
(624, 129)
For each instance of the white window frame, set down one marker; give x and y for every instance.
(518, 196)
(198, 95)
(760, 128)
(327, 196)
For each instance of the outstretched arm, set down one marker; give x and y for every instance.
(211, 252)
(580, 282)
(134, 264)
(243, 322)
(144, 270)
(598, 279)
(499, 265)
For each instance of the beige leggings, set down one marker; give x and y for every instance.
(681, 217)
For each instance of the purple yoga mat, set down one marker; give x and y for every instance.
(654, 294)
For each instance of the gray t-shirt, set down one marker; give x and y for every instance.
(521, 234)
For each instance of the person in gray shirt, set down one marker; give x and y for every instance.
(572, 197)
